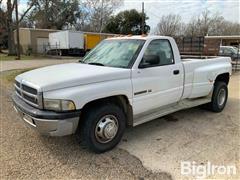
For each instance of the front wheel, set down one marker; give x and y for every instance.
(219, 97)
(103, 127)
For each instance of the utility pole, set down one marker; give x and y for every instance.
(17, 28)
(101, 16)
(143, 18)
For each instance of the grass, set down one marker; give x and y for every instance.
(5, 57)
(9, 76)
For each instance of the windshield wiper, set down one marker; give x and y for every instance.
(95, 63)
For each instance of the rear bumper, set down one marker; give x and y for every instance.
(47, 122)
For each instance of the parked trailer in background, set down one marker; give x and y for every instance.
(67, 42)
(92, 39)
(74, 42)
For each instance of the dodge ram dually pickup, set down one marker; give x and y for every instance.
(123, 81)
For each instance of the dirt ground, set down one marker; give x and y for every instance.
(152, 150)
(22, 64)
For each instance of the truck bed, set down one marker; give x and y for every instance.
(200, 74)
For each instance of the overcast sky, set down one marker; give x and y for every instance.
(154, 9)
(187, 9)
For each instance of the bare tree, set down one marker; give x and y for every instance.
(223, 27)
(230, 28)
(211, 24)
(94, 14)
(3, 16)
(10, 24)
(10, 8)
(204, 23)
(169, 25)
(191, 29)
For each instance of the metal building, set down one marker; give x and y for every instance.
(33, 41)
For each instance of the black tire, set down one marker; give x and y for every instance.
(217, 104)
(92, 117)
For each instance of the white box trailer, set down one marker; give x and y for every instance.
(67, 42)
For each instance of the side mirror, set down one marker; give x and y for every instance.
(149, 61)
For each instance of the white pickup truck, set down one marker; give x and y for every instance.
(124, 81)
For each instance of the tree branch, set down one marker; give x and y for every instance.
(13, 5)
(28, 9)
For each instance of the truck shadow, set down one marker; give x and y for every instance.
(117, 163)
(196, 117)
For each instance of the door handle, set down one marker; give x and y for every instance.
(175, 72)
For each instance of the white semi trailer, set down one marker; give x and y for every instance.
(67, 42)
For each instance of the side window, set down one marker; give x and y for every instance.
(161, 49)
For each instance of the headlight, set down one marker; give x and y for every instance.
(59, 105)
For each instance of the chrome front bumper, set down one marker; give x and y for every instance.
(47, 122)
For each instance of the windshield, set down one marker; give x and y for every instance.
(114, 53)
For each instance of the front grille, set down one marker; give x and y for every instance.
(17, 83)
(29, 94)
(29, 89)
(29, 98)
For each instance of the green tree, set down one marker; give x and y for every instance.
(127, 22)
(54, 14)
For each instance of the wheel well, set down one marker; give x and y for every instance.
(223, 78)
(119, 100)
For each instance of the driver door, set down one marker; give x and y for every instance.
(160, 84)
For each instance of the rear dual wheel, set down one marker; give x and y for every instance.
(219, 97)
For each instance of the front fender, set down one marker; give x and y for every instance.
(84, 94)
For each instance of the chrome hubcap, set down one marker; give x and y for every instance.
(106, 129)
(221, 97)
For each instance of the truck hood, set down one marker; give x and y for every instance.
(69, 75)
